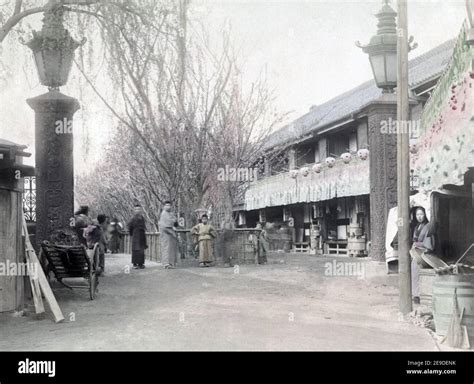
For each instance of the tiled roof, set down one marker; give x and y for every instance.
(7, 143)
(423, 68)
(430, 64)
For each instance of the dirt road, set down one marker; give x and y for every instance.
(289, 304)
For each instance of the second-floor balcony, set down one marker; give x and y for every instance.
(306, 185)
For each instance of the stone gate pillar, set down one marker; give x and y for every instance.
(54, 161)
(383, 169)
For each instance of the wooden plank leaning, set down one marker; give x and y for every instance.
(32, 272)
(41, 280)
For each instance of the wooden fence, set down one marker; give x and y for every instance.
(152, 240)
(232, 246)
(237, 246)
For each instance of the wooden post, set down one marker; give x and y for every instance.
(403, 162)
(291, 159)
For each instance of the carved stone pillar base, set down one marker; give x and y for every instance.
(54, 161)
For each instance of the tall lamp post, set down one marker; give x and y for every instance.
(53, 52)
(388, 55)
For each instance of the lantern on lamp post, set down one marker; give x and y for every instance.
(382, 49)
(388, 54)
(53, 49)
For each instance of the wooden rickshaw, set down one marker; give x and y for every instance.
(73, 261)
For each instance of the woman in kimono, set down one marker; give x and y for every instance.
(168, 237)
(206, 235)
(423, 242)
(262, 244)
(137, 229)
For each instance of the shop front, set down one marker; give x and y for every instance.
(326, 210)
(442, 158)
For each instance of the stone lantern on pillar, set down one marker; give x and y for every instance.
(53, 51)
(382, 49)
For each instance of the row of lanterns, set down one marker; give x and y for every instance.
(346, 157)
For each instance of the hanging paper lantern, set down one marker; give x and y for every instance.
(413, 148)
(330, 161)
(294, 173)
(317, 167)
(346, 157)
(363, 154)
(304, 171)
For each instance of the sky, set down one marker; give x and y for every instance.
(306, 49)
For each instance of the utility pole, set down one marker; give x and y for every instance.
(403, 162)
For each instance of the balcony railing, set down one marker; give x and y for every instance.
(29, 198)
(351, 179)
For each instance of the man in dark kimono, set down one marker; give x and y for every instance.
(137, 229)
(168, 237)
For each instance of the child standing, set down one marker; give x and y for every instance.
(206, 235)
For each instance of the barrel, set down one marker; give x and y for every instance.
(443, 293)
(356, 244)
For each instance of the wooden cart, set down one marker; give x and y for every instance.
(73, 261)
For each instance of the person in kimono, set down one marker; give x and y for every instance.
(423, 242)
(168, 237)
(137, 229)
(81, 222)
(115, 230)
(206, 235)
(94, 234)
(262, 244)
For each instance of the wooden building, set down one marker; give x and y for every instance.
(12, 171)
(443, 156)
(331, 174)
